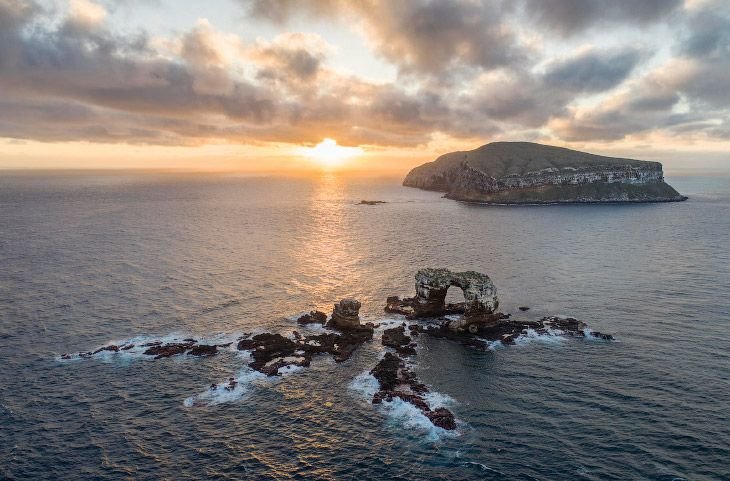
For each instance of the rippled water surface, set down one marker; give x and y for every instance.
(88, 259)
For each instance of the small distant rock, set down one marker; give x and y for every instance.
(204, 350)
(167, 350)
(314, 317)
(111, 348)
(523, 308)
(371, 202)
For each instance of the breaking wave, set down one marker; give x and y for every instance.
(402, 414)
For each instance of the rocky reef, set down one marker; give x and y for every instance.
(479, 311)
(475, 323)
(529, 173)
(397, 381)
(157, 349)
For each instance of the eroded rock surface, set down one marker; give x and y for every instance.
(346, 314)
(272, 352)
(480, 296)
(529, 173)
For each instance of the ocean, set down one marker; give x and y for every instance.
(92, 258)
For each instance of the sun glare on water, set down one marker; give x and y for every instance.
(328, 154)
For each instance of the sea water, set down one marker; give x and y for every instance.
(97, 258)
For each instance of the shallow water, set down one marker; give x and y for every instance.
(86, 259)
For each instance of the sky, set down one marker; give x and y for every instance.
(257, 85)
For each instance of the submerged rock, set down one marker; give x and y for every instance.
(371, 202)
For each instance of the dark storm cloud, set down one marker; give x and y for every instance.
(709, 32)
(568, 17)
(291, 56)
(592, 71)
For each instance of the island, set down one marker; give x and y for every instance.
(530, 173)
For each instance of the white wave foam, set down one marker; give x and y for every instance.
(437, 400)
(551, 336)
(247, 379)
(401, 413)
(224, 392)
(588, 334)
(481, 466)
(133, 348)
(365, 385)
(492, 345)
(405, 415)
(388, 323)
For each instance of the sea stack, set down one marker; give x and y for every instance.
(346, 314)
(529, 173)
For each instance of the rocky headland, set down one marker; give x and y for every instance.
(530, 173)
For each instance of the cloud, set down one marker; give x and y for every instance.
(86, 13)
(420, 37)
(592, 70)
(291, 54)
(466, 71)
(568, 17)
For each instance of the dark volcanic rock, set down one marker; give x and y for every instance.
(507, 330)
(371, 202)
(397, 339)
(268, 347)
(167, 350)
(524, 308)
(111, 348)
(386, 371)
(397, 381)
(271, 352)
(203, 350)
(442, 418)
(314, 317)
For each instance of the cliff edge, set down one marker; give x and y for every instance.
(529, 173)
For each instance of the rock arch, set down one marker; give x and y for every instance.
(480, 294)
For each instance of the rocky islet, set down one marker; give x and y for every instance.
(474, 323)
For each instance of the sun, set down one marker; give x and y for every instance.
(328, 154)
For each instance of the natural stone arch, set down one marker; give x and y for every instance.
(480, 295)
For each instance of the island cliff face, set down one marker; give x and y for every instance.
(528, 173)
